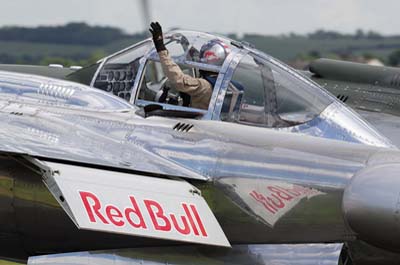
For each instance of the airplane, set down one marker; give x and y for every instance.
(110, 164)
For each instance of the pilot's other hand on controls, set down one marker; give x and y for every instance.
(156, 31)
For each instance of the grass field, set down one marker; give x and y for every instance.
(4, 262)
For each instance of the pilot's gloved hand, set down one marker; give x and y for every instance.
(156, 31)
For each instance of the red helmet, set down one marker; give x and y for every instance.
(214, 52)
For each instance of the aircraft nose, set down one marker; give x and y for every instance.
(371, 205)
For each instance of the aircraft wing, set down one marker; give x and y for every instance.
(73, 138)
(70, 126)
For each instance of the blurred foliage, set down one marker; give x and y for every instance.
(71, 44)
(332, 35)
(394, 58)
(80, 44)
(93, 58)
(72, 33)
(291, 47)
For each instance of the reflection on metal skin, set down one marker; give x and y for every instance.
(310, 218)
(288, 160)
(223, 154)
(53, 92)
(340, 123)
(308, 254)
(271, 200)
(371, 205)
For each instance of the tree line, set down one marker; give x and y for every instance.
(72, 33)
(84, 34)
(359, 34)
(98, 41)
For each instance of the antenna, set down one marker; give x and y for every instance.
(146, 14)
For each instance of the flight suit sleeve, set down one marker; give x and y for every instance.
(198, 88)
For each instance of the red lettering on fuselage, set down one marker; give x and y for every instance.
(133, 216)
(157, 214)
(264, 201)
(277, 197)
(185, 230)
(281, 193)
(135, 210)
(191, 221)
(198, 220)
(94, 208)
(114, 215)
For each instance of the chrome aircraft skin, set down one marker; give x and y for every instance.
(372, 91)
(275, 159)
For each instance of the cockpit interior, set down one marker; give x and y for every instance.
(252, 88)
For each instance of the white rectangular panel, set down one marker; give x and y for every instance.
(132, 204)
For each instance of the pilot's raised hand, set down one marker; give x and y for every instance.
(156, 31)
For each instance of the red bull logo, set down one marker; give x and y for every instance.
(275, 200)
(137, 211)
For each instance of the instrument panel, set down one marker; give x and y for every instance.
(117, 79)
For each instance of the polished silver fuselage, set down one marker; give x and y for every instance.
(227, 162)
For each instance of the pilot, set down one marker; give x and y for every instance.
(200, 89)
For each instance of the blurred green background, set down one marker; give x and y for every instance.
(81, 44)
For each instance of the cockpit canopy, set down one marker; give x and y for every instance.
(251, 88)
(263, 91)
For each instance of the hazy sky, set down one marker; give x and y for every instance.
(225, 16)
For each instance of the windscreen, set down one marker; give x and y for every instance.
(118, 74)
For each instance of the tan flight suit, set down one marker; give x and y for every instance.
(199, 89)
